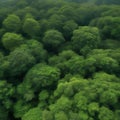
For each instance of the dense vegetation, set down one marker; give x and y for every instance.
(59, 60)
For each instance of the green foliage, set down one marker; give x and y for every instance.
(107, 2)
(100, 60)
(33, 114)
(93, 108)
(20, 108)
(3, 113)
(31, 27)
(1, 64)
(6, 93)
(69, 12)
(47, 115)
(80, 101)
(68, 62)
(53, 39)
(83, 115)
(36, 49)
(106, 114)
(109, 97)
(110, 44)
(42, 75)
(106, 25)
(62, 104)
(68, 28)
(85, 39)
(24, 92)
(12, 40)
(102, 76)
(12, 23)
(59, 60)
(88, 103)
(43, 95)
(117, 114)
(60, 116)
(56, 21)
(19, 61)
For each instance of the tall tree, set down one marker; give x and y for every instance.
(85, 39)
(12, 23)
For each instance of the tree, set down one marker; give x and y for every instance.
(26, 10)
(3, 13)
(102, 61)
(85, 39)
(83, 116)
(36, 49)
(89, 66)
(113, 11)
(44, 26)
(20, 108)
(109, 97)
(108, 63)
(19, 61)
(68, 11)
(68, 62)
(43, 95)
(31, 27)
(25, 93)
(106, 25)
(103, 76)
(105, 114)
(61, 116)
(12, 40)
(59, 60)
(87, 12)
(12, 23)
(110, 44)
(80, 101)
(6, 93)
(62, 104)
(22, 3)
(47, 115)
(42, 75)
(33, 114)
(56, 21)
(86, 106)
(53, 39)
(68, 28)
(93, 108)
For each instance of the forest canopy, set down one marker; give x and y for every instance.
(60, 60)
